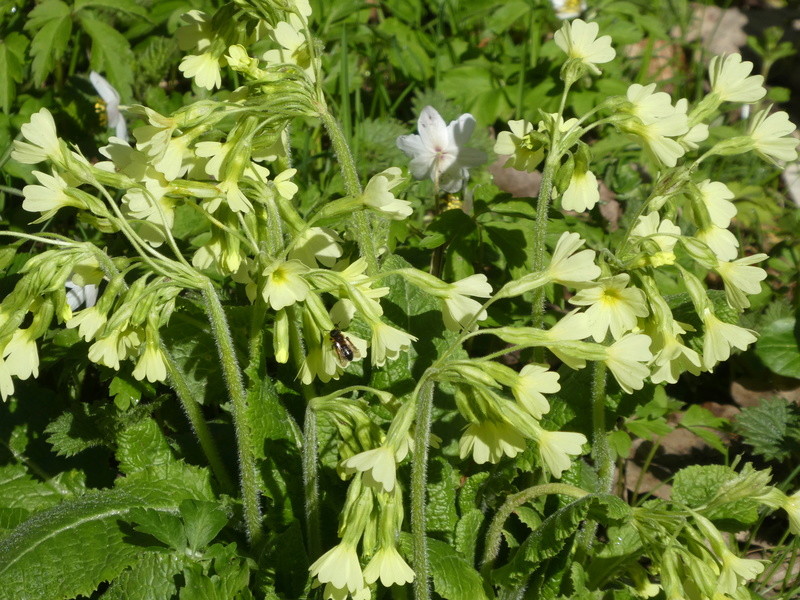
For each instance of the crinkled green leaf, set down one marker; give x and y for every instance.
(468, 529)
(152, 577)
(453, 577)
(697, 485)
(142, 445)
(772, 428)
(441, 490)
(779, 347)
(468, 494)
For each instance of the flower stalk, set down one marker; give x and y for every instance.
(248, 473)
(419, 478)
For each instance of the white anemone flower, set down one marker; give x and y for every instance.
(440, 152)
(111, 98)
(81, 295)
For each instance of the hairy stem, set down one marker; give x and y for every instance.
(419, 478)
(601, 452)
(195, 415)
(537, 257)
(311, 483)
(361, 226)
(248, 474)
(514, 501)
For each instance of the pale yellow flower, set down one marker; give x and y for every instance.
(772, 136)
(717, 198)
(627, 359)
(578, 39)
(613, 306)
(741, 278)
(582, 193)
(42, 142)
(285, 284)
(378, 466)
(731, 80)
(532, 383)
(388, 566)
(567, 266)
(489, 441)
(339, 566)
(720, 338)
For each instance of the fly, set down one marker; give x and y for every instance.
(343, 348)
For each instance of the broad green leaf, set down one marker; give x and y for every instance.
(12, 67)
(69, 549)
(11, 518)
(111, 53)
(779, 347)
(174, 481)
(453, 577)
(20, 490)
(202, 521)
(697, 485)
(508, 15)
(152, 577)
(166, 527)
(406, 52)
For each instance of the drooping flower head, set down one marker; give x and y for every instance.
(440, 152)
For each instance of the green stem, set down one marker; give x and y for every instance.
(352, 187)
(419, 477)
(248, 474)
(514, 501)
(537, 258)
(601, 451)
(311, 483)
(195, 415)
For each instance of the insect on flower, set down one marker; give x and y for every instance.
(344, 349)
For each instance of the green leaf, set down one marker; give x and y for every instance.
(453, 577)
(111, 53)
(188, 339)
(69, 549)
(203, 521)
(74, 431)
(53, 20)
(549, 539)
(697, 485)
(467, 530)
(772, 428)
(152, 577)
(142, 446)
(165, 527)
(779, 347)
(127, 6)
(12, 67)
(268, 418)
(442, 484)
(18, 490)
